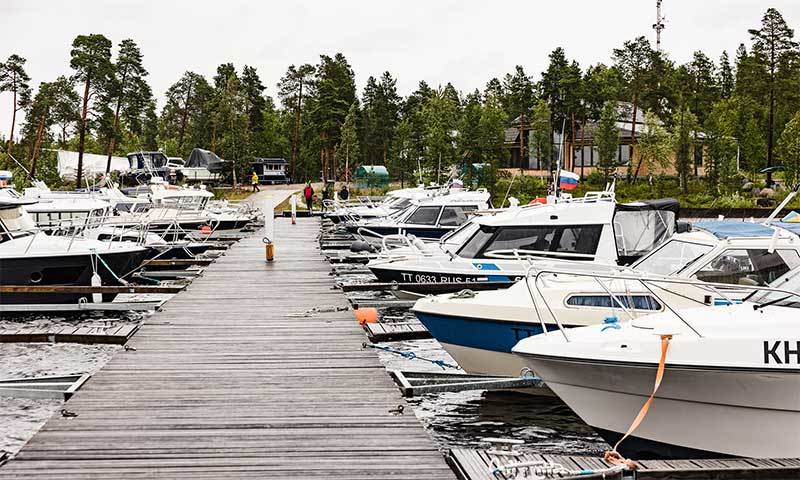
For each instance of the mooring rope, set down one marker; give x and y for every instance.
(411, 356)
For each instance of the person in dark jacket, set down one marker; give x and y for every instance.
(308, 194)
(344, 193)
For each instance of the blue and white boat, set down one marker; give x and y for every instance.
(479, 329)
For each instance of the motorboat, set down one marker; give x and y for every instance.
(364, 209)
(427, 218)
(730, 387)
(478, 329)
(28, 256)
(594, 229)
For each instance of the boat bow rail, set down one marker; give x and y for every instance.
(652, 284)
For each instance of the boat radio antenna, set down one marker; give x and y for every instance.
(27, 172)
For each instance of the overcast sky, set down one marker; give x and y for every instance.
(464, 42)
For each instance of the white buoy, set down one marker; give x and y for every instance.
(97, 282)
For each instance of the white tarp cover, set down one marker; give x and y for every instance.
(93, 164)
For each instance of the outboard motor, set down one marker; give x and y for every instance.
(360, 246)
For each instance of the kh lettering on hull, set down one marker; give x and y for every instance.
(773, 353)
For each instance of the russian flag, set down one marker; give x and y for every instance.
(568, 180)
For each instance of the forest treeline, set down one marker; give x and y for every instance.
(741, 108)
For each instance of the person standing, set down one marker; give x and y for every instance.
(254, 181)
(344, 193)
(308, 194)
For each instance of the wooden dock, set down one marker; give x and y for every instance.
(480, 465)
(116, 335)
(225, 382)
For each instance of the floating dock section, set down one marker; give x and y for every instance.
(227, 381)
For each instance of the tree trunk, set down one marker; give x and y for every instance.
(296, 136)
(112, 145)
(13, 118)
(583, 139)
(82, 133)
(771, 119)
(184, 118)
(633, 139)
(37, 144)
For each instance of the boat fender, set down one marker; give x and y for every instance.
(612, 322)
(419, 244)
(361, 246)
(97, 282)
(366, 315)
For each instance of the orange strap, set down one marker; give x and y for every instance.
(612, 456)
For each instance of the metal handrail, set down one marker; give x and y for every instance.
(644, 280)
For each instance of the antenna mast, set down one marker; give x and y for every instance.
(659, 25)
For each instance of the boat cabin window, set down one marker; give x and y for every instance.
(424, 216)
(756, 266)
(635, 302)
(672, 257)
(457, 215)
(580, 239)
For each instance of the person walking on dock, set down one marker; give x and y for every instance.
(344, 193)
(254, 181)
(308, 194)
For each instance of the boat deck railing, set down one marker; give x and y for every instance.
(653, 284)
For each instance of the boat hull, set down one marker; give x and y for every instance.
(480, 345)
(698, 412)
(64, 270)
(441, 282)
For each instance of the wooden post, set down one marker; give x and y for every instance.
(268, 210)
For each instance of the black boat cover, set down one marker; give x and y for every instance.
(205, 158)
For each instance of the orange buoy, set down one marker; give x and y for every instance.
(366, 315)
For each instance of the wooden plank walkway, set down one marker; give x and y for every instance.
(225, 383)
(116, 335)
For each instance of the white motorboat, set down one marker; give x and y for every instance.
(428, 218)
(593, 230)
(731, 384)
(28, 256)
(364, 209)
(479, 329)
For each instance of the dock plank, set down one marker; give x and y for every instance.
(227, 381)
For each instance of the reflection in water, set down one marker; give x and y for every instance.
(462, 419)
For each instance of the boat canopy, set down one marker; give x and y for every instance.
(724, 229)
(668, 204)
(200, 158)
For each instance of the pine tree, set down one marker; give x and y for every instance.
(253, 91)
(381, 114)
(127, 88)
(684, 124)
(517, 94)
(440, 114)
(654, 146)
(349, 149)
(725, 78)
(334, 93)
(91, 60)
(293, 89)
(633, 61)
(773, 45)
(606, 139)
(789, 150)
(721, 144)
(540, 140)
(14, 79)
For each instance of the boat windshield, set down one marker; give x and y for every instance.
(460, 234)
(15, 222)
(672, 257)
